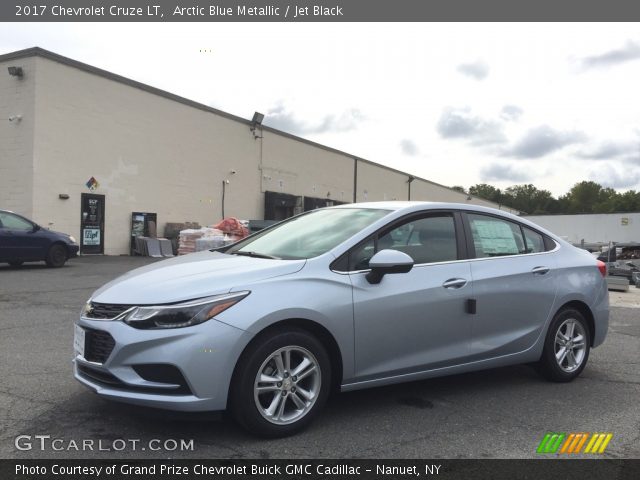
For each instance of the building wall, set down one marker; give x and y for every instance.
(298, 168)
(17, 97)
(376, 183)
(148, 153)
(156, 154)
(596, 228)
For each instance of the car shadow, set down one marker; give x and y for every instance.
(106, 420)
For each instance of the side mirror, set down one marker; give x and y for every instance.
(388, 261)
(36, 227)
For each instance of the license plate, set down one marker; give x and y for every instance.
(78, 341)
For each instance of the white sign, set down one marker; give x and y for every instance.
(91, 236)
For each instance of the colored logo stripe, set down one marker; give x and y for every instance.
(598, 443)
(572, 443)
(550, 442)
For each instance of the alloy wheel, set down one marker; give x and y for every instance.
(569, 346)
(287, 385)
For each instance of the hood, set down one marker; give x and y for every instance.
(191, 276)
(64, 236)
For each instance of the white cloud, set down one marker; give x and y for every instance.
(330, 76)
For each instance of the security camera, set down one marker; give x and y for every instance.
(15, 118)
(233, 172)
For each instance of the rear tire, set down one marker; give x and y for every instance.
(56, 256)
(16, 263)
(280, 383)
(566, 347)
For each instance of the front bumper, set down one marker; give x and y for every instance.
(72, 250)
(204, 355)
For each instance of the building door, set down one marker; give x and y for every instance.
(92, 223)
(280, 206)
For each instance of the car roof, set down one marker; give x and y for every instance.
(409, 206)
(405, 207)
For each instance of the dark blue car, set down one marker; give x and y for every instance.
(22, 240)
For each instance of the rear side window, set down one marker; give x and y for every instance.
(494, 237)
(535, 241)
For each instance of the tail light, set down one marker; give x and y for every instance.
(603, 268)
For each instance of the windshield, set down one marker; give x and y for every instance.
(308, 235)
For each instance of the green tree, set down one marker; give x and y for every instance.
(488, 192)
(584, 196)
(528, 199)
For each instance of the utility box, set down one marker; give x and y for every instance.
(143, 224)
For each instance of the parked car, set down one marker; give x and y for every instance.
(22, 240)
(347, 297)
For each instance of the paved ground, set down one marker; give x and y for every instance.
(498, 413)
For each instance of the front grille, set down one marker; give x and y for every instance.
(105, 311)
(98, 345)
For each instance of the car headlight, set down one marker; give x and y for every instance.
(72, 239)
(184, 314)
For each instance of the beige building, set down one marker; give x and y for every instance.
(82, 148)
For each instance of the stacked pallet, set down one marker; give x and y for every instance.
(195, 240)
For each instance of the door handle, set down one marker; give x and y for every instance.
(540, 270)
(454, 283)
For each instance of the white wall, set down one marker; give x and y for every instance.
(17, 97)
(147, 152)
(596, 228)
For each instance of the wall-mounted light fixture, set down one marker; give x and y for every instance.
(15, 118)
(410, 179)
(16, 72)
(63, 196)
(256, 122)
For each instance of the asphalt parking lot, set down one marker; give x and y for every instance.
(499, 413)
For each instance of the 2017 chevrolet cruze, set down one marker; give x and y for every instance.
(353, 296)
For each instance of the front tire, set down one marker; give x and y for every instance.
(566, 347)
(56, 256)
(280, 384)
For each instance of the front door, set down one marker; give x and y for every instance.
(412, 321)
(92, 223)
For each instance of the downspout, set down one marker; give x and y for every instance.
(355, 180)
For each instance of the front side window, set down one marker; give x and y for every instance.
(13, 222)
(308, 235)
(427, 240)
(494, 237)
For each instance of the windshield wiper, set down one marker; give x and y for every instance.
(254, 255)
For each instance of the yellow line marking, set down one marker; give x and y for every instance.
(591, 442)
(594, 449)
(605, 443)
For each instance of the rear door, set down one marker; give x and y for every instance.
(417, 320)
(515, 283)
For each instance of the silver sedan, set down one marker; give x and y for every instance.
(344, 298)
